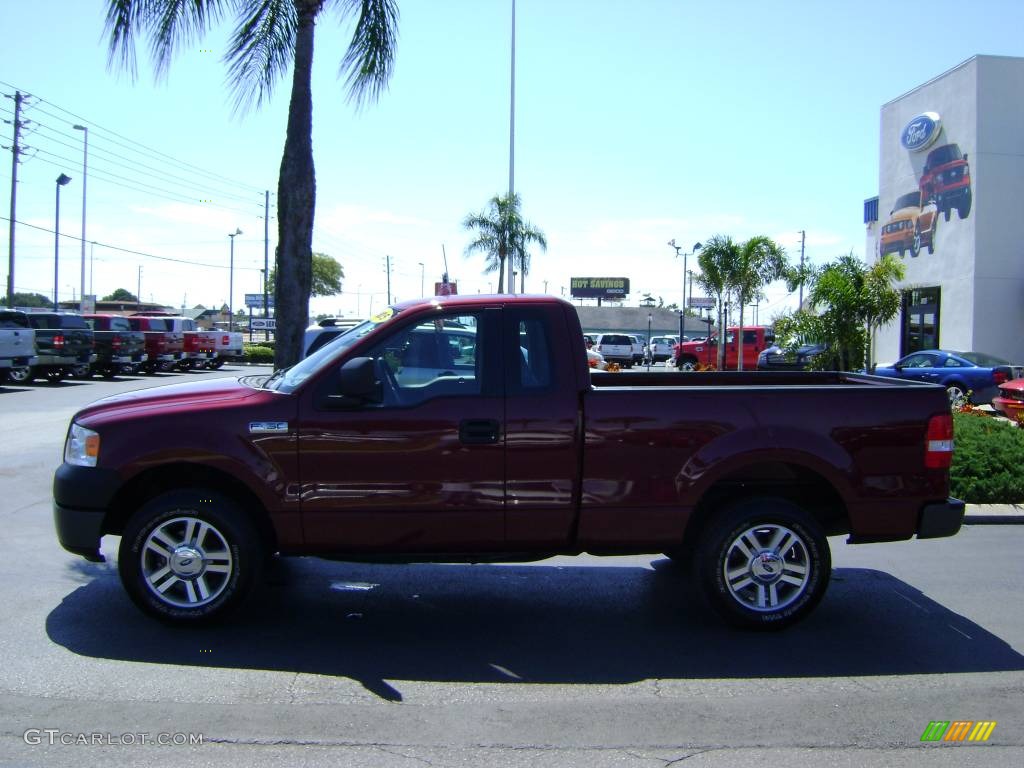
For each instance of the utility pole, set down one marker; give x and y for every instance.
(15, 151)
(387, 265)
(803, 237)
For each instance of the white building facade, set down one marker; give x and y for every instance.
(951, 206)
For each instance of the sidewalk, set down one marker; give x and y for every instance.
(994, 514)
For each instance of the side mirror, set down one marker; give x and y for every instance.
(358, 383)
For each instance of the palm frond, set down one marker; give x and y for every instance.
(369, 61)
(170, 24)
(261, 50)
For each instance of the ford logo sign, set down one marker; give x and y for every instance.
(921, 131)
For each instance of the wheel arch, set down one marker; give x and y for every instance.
(790, 479)
(180, 475)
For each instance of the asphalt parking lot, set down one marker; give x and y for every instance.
(570, 661)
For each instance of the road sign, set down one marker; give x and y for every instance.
(255, 300)
(263, 324)
(701, 302)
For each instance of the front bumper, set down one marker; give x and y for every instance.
(943, 519)
(81, 499)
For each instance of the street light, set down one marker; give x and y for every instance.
(682, 311)
(649, 353)
(62, 180)
(422, 284)
(85, 166)
(231, 281)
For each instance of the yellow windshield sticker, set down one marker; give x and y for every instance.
(380, 317)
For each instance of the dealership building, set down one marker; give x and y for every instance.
(950, 205)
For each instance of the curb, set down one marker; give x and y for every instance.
(993, 519)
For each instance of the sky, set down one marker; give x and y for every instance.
(635, 124)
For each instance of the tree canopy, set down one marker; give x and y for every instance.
(27, 300)
(327, 276)
(501, 233)
(121, 294)
(848, 300)
(271, 39)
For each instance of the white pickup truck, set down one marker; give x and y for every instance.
(17, 342)
(227, 347)
(203, 349)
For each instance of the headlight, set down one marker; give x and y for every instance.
(82, 447)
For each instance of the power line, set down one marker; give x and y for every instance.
(129, 250)
(127, 142)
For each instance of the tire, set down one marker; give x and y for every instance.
(764, 565)
(82, 371)
(216, 364)
(54, 375)
(915, 244)
(688, 364)
(957, 394)
(22, 375)
(963, 210)
(189, 557)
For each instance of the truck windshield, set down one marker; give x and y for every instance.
(909, 200)
(288, 379)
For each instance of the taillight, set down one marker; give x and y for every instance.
(999, 377)
(938, 452)
(225, 341)
(116, 343)
(58, 341)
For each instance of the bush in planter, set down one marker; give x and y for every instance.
(258, 353)
(988, 462)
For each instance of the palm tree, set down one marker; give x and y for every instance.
(740, 270)
(502, 234)
(715, 262)
(758, 261)
(270, 36)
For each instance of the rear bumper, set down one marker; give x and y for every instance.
(943, 519)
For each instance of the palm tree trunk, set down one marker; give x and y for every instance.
(739, 338)
(501, 269)
(296, 200)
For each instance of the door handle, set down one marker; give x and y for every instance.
(478, 431)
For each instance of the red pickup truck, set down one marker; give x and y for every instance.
(700, 355)
(471, 428)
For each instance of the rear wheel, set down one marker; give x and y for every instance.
(688, 364)
(957, 395)
(765, 564)
(22, 375)
(189, 556)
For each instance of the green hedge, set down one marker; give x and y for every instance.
(258, 353)
(988, 463)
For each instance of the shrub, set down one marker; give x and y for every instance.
(258, 353)
(988, 463)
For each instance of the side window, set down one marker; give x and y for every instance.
(750, 337)
(433, 359)
(952, 362)
(534, 355)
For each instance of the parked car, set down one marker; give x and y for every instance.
(775, 358)
(118, 348)
(911, 226)
(199, 346)
(528, 457)
(662, 347)
(17, 344)
(64, 347)
(616, 348)
(325, 331)
(1010, 400)
(165, 347)
(691, 355)
(639, 348)
(946, 179)
(965, 375)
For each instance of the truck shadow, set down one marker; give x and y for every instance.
(532, 624)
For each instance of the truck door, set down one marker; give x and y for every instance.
(424, 470)
(541, 429)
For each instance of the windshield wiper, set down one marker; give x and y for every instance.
(274, 377)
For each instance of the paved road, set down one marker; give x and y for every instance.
(572, 661)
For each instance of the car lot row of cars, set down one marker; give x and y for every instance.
(56, 345)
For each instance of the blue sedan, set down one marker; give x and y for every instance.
(961, 373)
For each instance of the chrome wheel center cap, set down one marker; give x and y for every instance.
(187, 562)
(766, 567)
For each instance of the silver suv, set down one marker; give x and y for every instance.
(616, 348)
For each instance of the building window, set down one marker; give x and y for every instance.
(920, 320)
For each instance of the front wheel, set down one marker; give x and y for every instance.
(21, 375)
(765, 564)
(189, 556)
(688, 364)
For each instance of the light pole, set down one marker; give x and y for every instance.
(422, 282)
(85, 166)
(231, 281)
(62, 180)
(649, 353)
